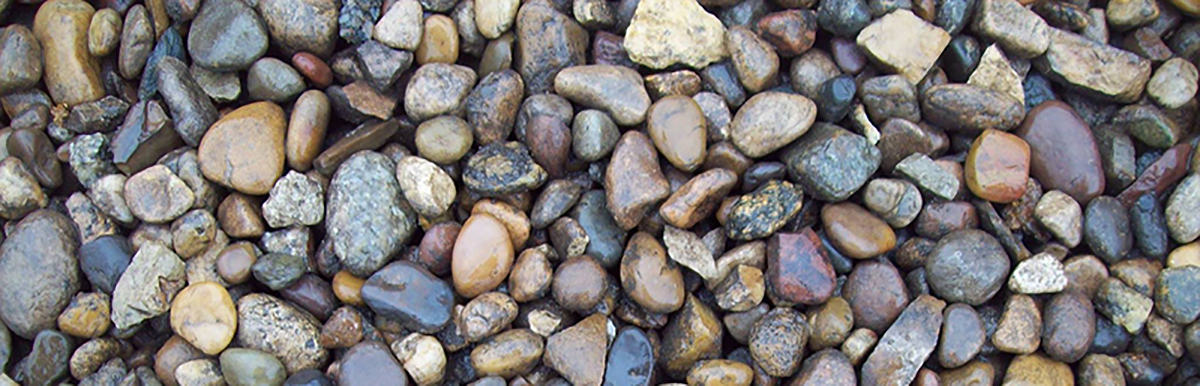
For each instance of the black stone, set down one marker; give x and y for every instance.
(1106, 229)
(104, 259)
(961, 57)
(1149, 226)
(835, 98)
(1037, 90)
(953, 15)
(408, 292)
(169, 44)
(606, 239)
(721, 78)
(843, 17)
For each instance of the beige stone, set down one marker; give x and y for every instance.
(203, 314)
(996, 73)
(666, 32)
(903, 43)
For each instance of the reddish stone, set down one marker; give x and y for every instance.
(847, 55)
(798, 271)
(997, 167)
(792, 32)
(437, 246)
(940, 218)
(1166, 171)
(876, 294)
(313, 68)
(1063, 153)
(608, 48)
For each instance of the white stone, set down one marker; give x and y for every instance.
(423, 358)
(296, 199)
(1173, 84)
(1183, 220)
(1062, 216)
(689, 250)
(425, 185)
(903, 43)
(996, 73)
(401, 26)
(665, 32)
(1040, 274)
(493, 17)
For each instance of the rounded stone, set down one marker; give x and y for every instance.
(227, 35)
(244, 150)
(482, 257)
(204, 315)
(679, 131)
(997, 166)
(649, 277)
(246, 367)
(967, 266)
(40, 272)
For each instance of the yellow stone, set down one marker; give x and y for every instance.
(904, 44)
(1185, 255)
(203, 314)
(244, 149)
(87, 316)
(439, 42)
(72, 75)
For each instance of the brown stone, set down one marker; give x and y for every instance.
(634, 180)
(348, 288)
(649, 277)
(313, 68)
(244, 150)
(856, 232)
(368, 136)
(72, 75)
(176, 351)
(679, 130)
(698, 198)
(997, 167)
(876, 293)
(798, 270)
(792, 32)
(439, 41)
(1063, 153)
(578, 352)
(906, 344)
(241, 216)
(482, 256)
(204, 315)
(306, 129)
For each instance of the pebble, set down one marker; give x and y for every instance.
(962, 336)
(273, 80)
(296, 199)
(855, 232)
(798, 269)
(667, 32)
(649, 278)
(1040, 274)
(900, 42)
(439, 41)
(623, 96)
(157, 195)
(835, 98)
(243, 367)
(444, 139)
(1159, 175)
(997, 167)
(970, 108)
(665, 84)
(679, 130)
(1174, 291)
(996, 73)
(20, 194)
(423, 358)
(720, 372)
(1100, 369)
(137, 40)
(278, 270)
(593, 135)
(387, 293)
(606, 237)
(1181, 206)
(493, 105)
(1098, 70)
(634, 180)
(239, 216)
(530, 277)
(401, 26)
(503, 168)
(1059, 214)
(145, 136)
(199, 372)
(87, 316)
(365, 218)
(760, 214)
(1106, 229)
(493, 18)
(777, 341)
(508, 354)
(830, 324)
(88, 158)
(1148, 124)
(486, 315)
(551, 41)
(155, 276)
(426, 187)
(550, 144)
(104, 32)
(271, 325)
(1018, 30)
(21, 59)
(103, 260)
(310, 377)
(72, 74)
(1069, 326)
(579, 352)
(859, 344)
(1124, 306)
(826, 367)
(967, 266)
(1171, 86)
(1036, 369)
(227, 35)
(906, 345)
(302, 26)
(890, 96)
(588, 284)
(436, 89)
(1063, 153)
(898, 202)
(370, 363)
(483, 263)
(827, 177)
(844, 18)
(47, 362)
(769, 121)
(1019, 326)
(754, 59)
(222, 87)
(693, 334)
(876, 294)
(192, 111)
(810, 71)
(244, 149)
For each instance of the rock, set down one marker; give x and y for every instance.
(550, 144)
(826, 367)
(887, 97)
(72, 74)
(1100, 369)
(20, 193)
(588, 284)
(898, 202)
(1069, 326)
(903, 43)
(760, 214)
(1040, 274)
(1063, 153)
(439, 42)
(693, 334)
(830, 324)
(698, 198)
(370, 363)
(777, 341)
(549, 41)
(493, 105)
(1062, 216)
(104, 32)
(174, 352)
(146, 135)
(356, 20)
(1124, 306)
(1183, 203)
(1174, 294)
(401, 26)
(606, 237)
(1019, 31)
(831, 163)
(437, 88)
(137, 40)
(967, 266)
(667, 32)
(365, 218)
(20, 59)
(204, 315)
(1171, 86)
(844, 18)
(798, 270)
(876, 294)
(242, 367)
(856, 232)
(630, 359)
(996, 73)
(485, 316)
(273, 80)
(270, 325)
(1127, 14)
(148, 286)
(906, 345)
(367, 136)
(623, 96)
(444, 139)
(278, 270)
(426, 187)
(593, 135)
(304, 26)
(634, 180)
(578, 352)
(997, 167)
(296, 199)
(423, 358)
(87, 316)
(502, 168)
(859, 344)
(678, 127)
(244, 150)
(227, 35)
(42, 237)
(1158, 176)
(47, 362)
(1149, 226)
(1037, 370)
(1106, 229)
(754, 60)
(510, 353)
(1099, 70)
(962, 336)
(482, 264)
(494, 18)
(199, 372)
(103, 260)
(720, 372)
(88, 158)
(649, 278)
(390, 292)
(969, 108)
(929, 176)
(688, 250)
(1148, 124)
(190, 107)
(359, 102)
(771, 120)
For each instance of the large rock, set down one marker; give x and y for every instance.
(905, 346)
(547, 41)
(39, 271)
(1099, 70)
(903, 43)
(148, 286)
(619, 91)
(277, 327)
(771, 120)
(72, 75)
(666, 32)
(244, 150)
(365, 216)
(831, 162)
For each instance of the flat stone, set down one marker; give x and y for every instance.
(903, 43)
(1106, 229)
(578, 352)
(148, 286)
(193, 113)
(1020, 31)
(667, 32)
(771, 120)
(968, 108)
(1099, 70)
(928, 176)
(995, 72)
(410, 294)
(1063, 152)
(906, 345)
